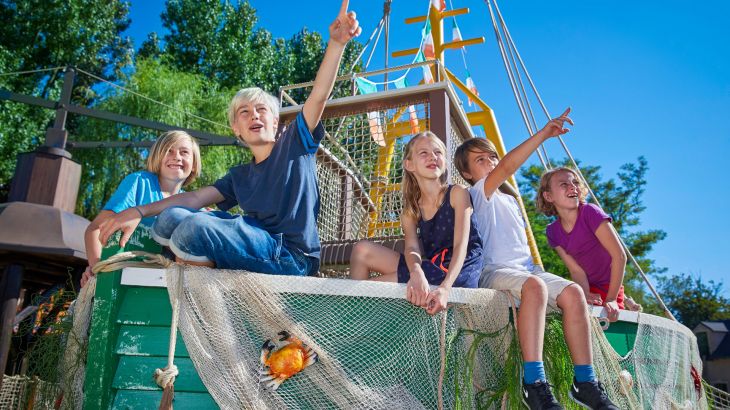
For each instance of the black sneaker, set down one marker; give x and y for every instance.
(591, 395)
(537, 396)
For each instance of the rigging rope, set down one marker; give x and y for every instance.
(512, 82)
(152, 100)
(42, 70)
(545, 164)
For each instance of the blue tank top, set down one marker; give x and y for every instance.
(437, 241)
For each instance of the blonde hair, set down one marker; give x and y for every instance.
(252, 95)
(163, 144)
(476, 145)
(547, 207)
(411, 190)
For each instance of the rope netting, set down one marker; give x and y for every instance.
(359, 171)
(376, 350)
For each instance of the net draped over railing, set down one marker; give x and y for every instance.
(376, 350)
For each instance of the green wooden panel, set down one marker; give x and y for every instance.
(101, 360)
(146, 399)
(135, 373)
(147, 341)
(145, 306)
(621, 336)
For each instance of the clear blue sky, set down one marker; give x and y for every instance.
(647, 78)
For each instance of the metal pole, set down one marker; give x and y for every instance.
(386, 14)
(57, 135)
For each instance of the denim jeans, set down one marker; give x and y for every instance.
(230, 241)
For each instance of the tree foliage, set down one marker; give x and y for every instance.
(182, 93)
(220, 40)
(36, 35)
(213, 48)
(691, 300)
(621, 198)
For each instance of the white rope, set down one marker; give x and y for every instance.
(124, 260)
(152, 100)
(511, 77)
(166, 376)
(42, 70)
(545, 164)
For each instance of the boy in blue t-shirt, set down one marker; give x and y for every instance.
(277, 190)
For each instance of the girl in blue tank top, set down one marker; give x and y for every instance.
(442, 244)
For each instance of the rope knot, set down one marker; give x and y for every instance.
(166, 376)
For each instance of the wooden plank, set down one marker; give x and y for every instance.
(143, 400)
(144, 277)
(147, 341)
(145, 306)
(135, 373)
(100, 360)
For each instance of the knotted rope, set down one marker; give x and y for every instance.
(165, 377)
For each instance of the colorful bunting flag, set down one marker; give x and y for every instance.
(439, 5)
(413, 119)
(471, 86)
(455, 32)
(376, 128)
(427, 47)
(427, 77)
(365, 86)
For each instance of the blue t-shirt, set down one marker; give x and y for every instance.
(139, 188)
(281, 192)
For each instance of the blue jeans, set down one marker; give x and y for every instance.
(230, 241)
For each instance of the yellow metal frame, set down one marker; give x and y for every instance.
(484, 117)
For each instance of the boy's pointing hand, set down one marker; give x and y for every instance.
(345, 26)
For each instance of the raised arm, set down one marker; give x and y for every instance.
(342, 30)
(514, 159)
(460, 201)
(417, 286)
(608, 237)
(127, 220)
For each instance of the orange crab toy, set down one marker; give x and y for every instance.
(290, 359)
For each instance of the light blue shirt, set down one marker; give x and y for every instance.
(139, 188)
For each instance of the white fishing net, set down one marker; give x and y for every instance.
(375, 349)
(378, 351)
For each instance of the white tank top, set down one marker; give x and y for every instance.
(502, 229)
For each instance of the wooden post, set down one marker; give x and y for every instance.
(10, 289)
(440, 115)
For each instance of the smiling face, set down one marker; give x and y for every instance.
(564, 191)
(178, 161)
(426, 158)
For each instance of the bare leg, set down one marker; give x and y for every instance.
(191, 263)
(576, 327)
(531, 319)
(367, 256)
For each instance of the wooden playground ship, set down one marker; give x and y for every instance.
(465, 359)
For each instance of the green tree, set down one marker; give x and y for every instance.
(220, 40)
(36, 35)
(182, 93)
(691, 300)
(622, 199)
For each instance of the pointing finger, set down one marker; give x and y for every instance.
(567, 111)
(343, 8)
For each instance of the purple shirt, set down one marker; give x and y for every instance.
(583, 245)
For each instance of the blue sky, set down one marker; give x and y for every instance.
(647, 78)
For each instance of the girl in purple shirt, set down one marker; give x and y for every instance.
(584, 238)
